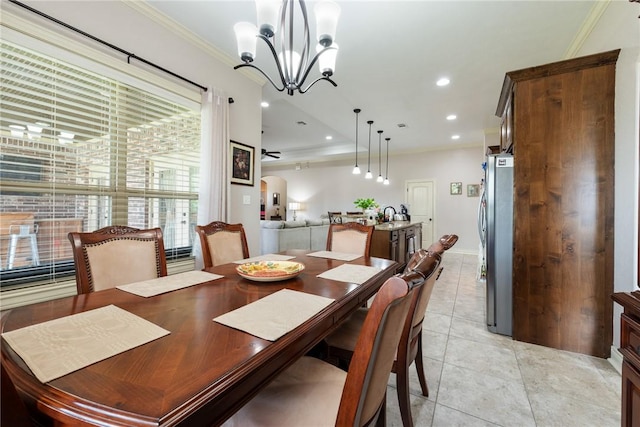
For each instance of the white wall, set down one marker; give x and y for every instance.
(619, 28)
(124, 25)
(331, 186)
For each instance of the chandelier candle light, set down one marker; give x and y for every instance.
(293, 67)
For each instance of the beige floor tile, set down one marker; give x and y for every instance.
(421, 410)
(434, 344)
(477, 331)
(447, 417)
(489, 359)
(441, 304)
(480, 379)
(485, 396)
(436, 322)
(553, 409)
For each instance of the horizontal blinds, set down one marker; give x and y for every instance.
(79, 151)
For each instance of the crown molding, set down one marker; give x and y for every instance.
(592, 19)
(144, 8)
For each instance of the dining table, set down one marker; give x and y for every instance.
(201, 371)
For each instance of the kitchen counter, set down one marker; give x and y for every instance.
(395, 225)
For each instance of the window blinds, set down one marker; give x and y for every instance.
(80, 151)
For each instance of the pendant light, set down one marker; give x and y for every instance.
(386, 175)
(356, 169)
(379, 179)
(368, 174)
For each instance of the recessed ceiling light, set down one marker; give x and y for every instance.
(455, 136)
(328, 137)
(452, 117)
(264, 104)
(443, 81)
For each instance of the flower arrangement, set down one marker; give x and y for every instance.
(366, 204)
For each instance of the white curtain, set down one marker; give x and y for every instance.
(213, 199)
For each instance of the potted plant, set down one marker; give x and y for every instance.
(366, 204)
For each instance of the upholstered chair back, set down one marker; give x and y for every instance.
(222, 243)
(117, 255)
(350, 237)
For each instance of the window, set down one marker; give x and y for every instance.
(80, 151)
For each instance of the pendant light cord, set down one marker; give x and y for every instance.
(370, 122)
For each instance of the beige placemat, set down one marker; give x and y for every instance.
(351, 273)
(335, 255)
(161, 285)
(58, 347)
(274, 315)
(266, 257)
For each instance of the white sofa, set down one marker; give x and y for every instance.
(277, 236)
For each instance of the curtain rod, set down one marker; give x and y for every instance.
(128, 54)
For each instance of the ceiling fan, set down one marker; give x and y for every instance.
(266, 153)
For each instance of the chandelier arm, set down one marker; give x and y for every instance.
(283, 47)
(312, 63)
(275, 58)
(263, 73)
(316, 81)
(306, 50)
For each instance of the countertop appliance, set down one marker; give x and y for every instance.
(495, 224)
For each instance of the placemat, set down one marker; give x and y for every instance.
(351, 273)
(161, 285)
(276, 314)
(335, 255)
(58, 347)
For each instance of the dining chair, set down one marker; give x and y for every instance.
(117, 255)
(423, 266)
(312, 392)
(350, 237)
(335, 217)
(222, 243)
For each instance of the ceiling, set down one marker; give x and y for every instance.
(391, 55)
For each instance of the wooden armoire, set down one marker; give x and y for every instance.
(558, 121)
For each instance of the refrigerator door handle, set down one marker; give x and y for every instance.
(482, 218)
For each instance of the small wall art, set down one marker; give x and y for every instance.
(242, 161)
(456, 188)
(473, 190)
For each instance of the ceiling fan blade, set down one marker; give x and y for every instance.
(266, 153)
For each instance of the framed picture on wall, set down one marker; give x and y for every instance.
(473, 190)
(242, 163)
(455, 188)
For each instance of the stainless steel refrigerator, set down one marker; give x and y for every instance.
(496, 228)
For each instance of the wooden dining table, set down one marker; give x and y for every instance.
(199, 374)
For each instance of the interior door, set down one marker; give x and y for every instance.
(420, 201)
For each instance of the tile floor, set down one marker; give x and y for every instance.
(477, 378)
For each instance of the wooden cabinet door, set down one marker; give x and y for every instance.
(630, 396)
(563, 210)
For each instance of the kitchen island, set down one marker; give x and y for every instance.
(397, 241)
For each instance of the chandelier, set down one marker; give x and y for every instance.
(293, 67)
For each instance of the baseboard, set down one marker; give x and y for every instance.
(616, 359)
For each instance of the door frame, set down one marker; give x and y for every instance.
(434, 197)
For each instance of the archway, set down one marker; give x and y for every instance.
(273, 193)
